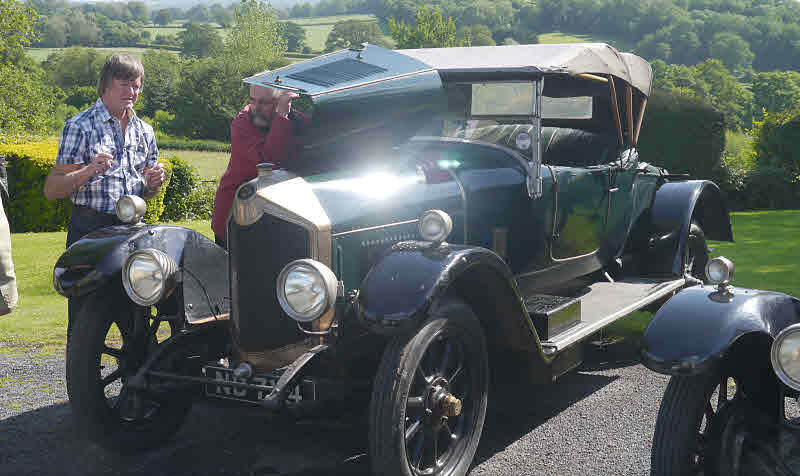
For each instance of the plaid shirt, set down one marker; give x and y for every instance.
(132, 153)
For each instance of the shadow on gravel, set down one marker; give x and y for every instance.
(242, 441)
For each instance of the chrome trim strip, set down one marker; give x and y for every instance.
(378, 227)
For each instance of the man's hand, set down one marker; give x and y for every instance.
(284, 104)
(100, 164)
(154, 177)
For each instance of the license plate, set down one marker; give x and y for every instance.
(265, 383)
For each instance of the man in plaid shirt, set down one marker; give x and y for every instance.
(106, 152)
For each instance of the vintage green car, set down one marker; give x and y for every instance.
(454, 210)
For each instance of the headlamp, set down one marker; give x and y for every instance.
(306, 289)
(130, 208)
(435, 225)
(785, 356)
(149, 276)
(719, 270)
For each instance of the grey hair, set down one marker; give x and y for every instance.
(119, 66)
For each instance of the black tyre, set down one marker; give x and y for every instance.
(104, 350)
(684, 442)
(429, 397)
(696, 253)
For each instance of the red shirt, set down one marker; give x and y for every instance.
(250, 146)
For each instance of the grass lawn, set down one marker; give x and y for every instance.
(332, 19)
(765, 254)
(316, 35)
(210, 165)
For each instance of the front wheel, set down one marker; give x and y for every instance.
(429, 397)
(693, 409)
(105, 348)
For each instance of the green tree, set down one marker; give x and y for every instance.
(74, 66)
(294, 34)
(200, 40)
(476, 35)
(352, 33)
(205, 100)
(162, 75)
(254, 42)
(54, 32)
(26, 104)
(430, 31)
(732, 50)
(730, 97)
(776, 91)
(162, 17)
(139, 11)
(775, 140)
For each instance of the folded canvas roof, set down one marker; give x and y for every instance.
(349, 68)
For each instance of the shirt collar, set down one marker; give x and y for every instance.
(105, 115)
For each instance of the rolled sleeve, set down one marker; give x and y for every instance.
(72, 148)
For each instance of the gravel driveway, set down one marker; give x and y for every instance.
(597, 420)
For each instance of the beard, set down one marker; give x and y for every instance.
(259, 120)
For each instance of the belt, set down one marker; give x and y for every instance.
(83, 211)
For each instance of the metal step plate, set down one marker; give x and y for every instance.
(608, 302)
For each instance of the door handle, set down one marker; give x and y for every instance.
(612, 190)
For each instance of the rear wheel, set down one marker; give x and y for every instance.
(429, 398)
(104, 350)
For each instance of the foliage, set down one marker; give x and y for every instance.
(776, 91)
(165, 141)
(200, 40)
(352, 33)
(775, 142)
(207, 98)
(162, 74)
(157, 204)
(683, 134)
(17, 22)
(75, 66)
(200, 202)
(184, 179)
(254, 42)
(430, 31)
(162, 17)
(25, 103)
(476, 35)
(28, 165)
(294, 35)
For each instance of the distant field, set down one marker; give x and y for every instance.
(558, 37)
(160, 30)
(316, 36)
(41, 54)
(332, 19)
(210, 165)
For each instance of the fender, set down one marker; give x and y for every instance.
(675, 205)
(405, 285)
(98, 257)
(697, 327)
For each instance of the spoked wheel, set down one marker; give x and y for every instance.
(686, 438)
(695, 256)
(105, 349)
(429, 398)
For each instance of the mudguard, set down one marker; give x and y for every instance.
(696, 328)
(98, 257)
(405, 285)
(675, 205)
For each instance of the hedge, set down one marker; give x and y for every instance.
(165, 141)
(28, 165)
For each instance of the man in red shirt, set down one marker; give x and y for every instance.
(264, 131)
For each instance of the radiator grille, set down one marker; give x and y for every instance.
(258, 254)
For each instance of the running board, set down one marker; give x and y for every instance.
(609, 302)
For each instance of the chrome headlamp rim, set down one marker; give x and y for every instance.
(728, 264)
(328, 278)
(443, 218)
(137, 205)
(777, 367)
(168, 269)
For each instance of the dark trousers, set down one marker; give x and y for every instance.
(84, 220)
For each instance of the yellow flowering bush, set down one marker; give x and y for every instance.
(28, 165)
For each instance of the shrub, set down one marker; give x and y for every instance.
(165, 141)
(775, 141)
(157, 204)
(770, 187)
(29, 211)
(184, 180)
(685, 135)
(200, 203)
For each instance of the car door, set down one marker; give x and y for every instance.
(581, 208)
